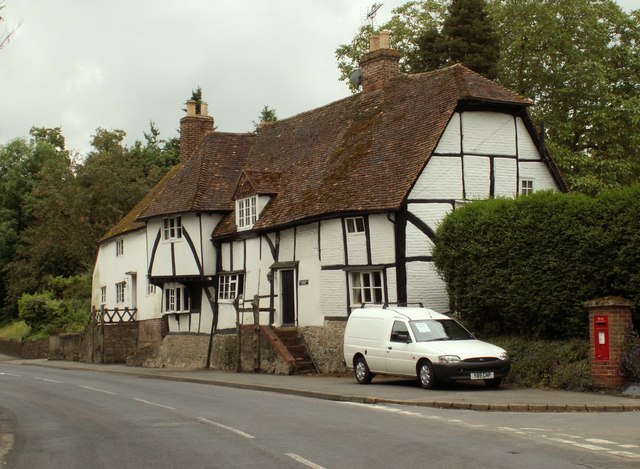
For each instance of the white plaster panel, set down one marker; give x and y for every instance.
(538, 172)
(357, 248)
(476, 176)
(331, 245)
(450, 140)
(431, 213)
(225, 253)
(392, 285)
(307, 242)
(382, 239)
(426, 286)
(527, 149)
(490, 133)
(418, 244)
(440, 179)
(333, 292)
(286, 245)
(505, 176)
(238, 255)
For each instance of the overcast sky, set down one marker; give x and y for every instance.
(117, 64)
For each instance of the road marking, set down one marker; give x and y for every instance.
(49, 380)
(534, 429)
(628, 454)
(304, 461)
(225, 427)
(629, 446)
(153, 404)
(10, 374)
(600, 442)
(97, 390)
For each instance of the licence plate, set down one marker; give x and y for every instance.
(482, 375)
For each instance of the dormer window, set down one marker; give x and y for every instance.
(247, 211)
(172, 228)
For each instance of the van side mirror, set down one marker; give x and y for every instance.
(400, 337)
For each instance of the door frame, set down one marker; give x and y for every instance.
(294, 297)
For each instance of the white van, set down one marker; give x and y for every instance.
(421, 343)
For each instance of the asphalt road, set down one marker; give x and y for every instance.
(75, 419)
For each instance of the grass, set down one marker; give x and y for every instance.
(16, 330)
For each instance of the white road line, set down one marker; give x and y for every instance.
(534, 429)
(97, 390)
(225, 427)
(566, 435)
(153, 404)
(304, 461)
(10, 374)
(628, 454)
(598, 441)
(49, 380)
(629, 446)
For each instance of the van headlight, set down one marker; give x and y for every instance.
(504, 356)
(449, 358)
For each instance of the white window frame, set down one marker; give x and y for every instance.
(230, 286)
(176, 299)
(355, 225)
(119, 247)
(364, 289)
(247, 212)
(121, 291)
(151, 288)
(172, 228)
(103, 295)
(526, 186)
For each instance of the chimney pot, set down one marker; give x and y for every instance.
(374, 42)
(204, 109)
(384, 39)
(191, 107)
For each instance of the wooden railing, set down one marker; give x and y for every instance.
(115, 315)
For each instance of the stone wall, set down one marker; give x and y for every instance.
(325, 345)
(65, 347)
(26, 349)
(120, 340)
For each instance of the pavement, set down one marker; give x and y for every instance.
(387, 390)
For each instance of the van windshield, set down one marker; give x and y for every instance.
(426, 330)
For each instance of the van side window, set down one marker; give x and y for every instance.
(400, 333)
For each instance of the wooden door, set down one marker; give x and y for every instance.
(287, 298)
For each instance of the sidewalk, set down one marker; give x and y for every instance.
(382, 390)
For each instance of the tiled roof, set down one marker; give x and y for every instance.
(365, 152)
(207, 180)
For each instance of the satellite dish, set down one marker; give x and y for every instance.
(356, 77)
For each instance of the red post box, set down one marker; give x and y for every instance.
(601, 337)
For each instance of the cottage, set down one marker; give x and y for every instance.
(324, 211)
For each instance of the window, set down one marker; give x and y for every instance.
(120, 290)
(120, 247)
(177, 299)
(247, 211)
(230, 286)
(103, 295)
(366, 287)
(151, 288)
(526, 187)
(355, 225)
(172, 228)
(400, 333)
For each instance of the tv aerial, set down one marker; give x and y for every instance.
(371, 13)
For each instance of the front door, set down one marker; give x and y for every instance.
(287, 298)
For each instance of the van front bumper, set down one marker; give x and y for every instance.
(461, 371)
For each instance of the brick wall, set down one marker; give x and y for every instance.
(378, 67)
(65, 347)
(605, 373)
(192, 130)
(29, 349)
(152, 330)
(120, 340)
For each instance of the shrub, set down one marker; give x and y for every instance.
(630, 364)
(548, 364)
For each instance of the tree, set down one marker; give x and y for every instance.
(5, 36)
(267, 116)
(467, 36)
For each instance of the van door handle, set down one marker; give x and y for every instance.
(390, 348)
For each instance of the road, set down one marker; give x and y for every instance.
(77, 419)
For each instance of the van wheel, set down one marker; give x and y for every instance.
(425, 375)
(493, 383)
(363, 375)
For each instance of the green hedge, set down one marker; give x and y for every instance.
(526, 266)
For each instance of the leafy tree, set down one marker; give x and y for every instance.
(156, 156)
(267, 115)
(467, 37)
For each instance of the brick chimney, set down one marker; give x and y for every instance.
(193, 128)
(380, 64)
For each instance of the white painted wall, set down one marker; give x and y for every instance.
(110, 269)
(488, 133)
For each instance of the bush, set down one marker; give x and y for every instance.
(548, 364)
(630, 364)
(526, 266)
